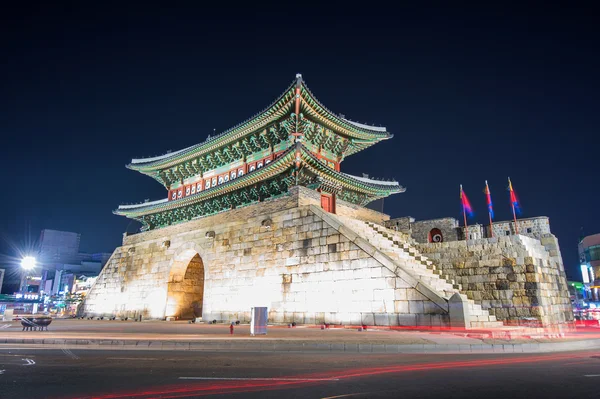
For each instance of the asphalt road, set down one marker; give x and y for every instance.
(56, 373)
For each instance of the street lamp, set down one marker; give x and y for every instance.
(28, 263)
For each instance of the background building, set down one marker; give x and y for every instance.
(62, 276)
(577, 293)
(589, 257)
(60, 261)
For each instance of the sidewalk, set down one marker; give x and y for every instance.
(158, 335)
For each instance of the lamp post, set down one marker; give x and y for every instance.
(27, 264)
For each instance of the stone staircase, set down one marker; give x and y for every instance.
(399, 247)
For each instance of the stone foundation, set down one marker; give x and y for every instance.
(277, 253)
(309, 266)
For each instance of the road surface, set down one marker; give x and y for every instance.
(115, 374)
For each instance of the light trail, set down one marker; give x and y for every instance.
(231, 385)
(258, 379)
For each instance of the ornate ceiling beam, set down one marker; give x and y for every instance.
(196, 167)
(203, 163)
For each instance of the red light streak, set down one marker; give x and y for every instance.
(205, 389)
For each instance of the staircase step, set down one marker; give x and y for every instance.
(486, 324)
(401, 249)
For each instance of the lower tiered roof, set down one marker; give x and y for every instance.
(295, 166)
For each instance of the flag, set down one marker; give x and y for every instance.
(513, 198)
(488, 197)
(465, 203)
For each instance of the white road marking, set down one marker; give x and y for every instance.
(2, 371)
(5, 355)
(258, 379)
(5, 325)
(592, 375)
(70, 354)
(29, 362)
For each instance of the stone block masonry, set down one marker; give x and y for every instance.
(514, 277)
(309, 266)
(302, 267)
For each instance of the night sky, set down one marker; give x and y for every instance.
(469, 94)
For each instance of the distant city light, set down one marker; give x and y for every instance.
(585, 274)
(28, 262)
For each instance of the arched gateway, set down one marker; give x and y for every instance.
(185, 292)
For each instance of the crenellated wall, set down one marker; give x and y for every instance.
(451, 229)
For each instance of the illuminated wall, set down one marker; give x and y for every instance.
(297, 265)
(304, 264)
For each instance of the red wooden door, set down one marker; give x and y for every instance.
(326, 203)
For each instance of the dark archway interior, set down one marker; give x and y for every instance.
(186, 290)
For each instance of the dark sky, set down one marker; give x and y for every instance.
(469, 94)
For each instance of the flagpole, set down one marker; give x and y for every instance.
(464, 214)
(489, 213)
(515, 219)
(466, 227)
(513, 207)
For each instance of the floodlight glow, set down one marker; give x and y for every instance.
(28, 262)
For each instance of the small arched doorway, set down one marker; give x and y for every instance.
(435, 235)
(185, 292)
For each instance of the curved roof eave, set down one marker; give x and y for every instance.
(232, 185)
(156, 162)
(151, 164)
(369, 185)
(379, 132)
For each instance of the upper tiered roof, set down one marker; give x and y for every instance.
(275, 125)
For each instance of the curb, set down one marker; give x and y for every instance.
(212, 346)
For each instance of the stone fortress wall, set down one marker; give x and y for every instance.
(419, 230)
(535, 227)
(304, 264)
(514, 277)
(310, 266)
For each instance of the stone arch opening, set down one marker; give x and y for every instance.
(435, 235)
(185, 294)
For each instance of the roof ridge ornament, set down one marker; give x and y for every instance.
(297, 135)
